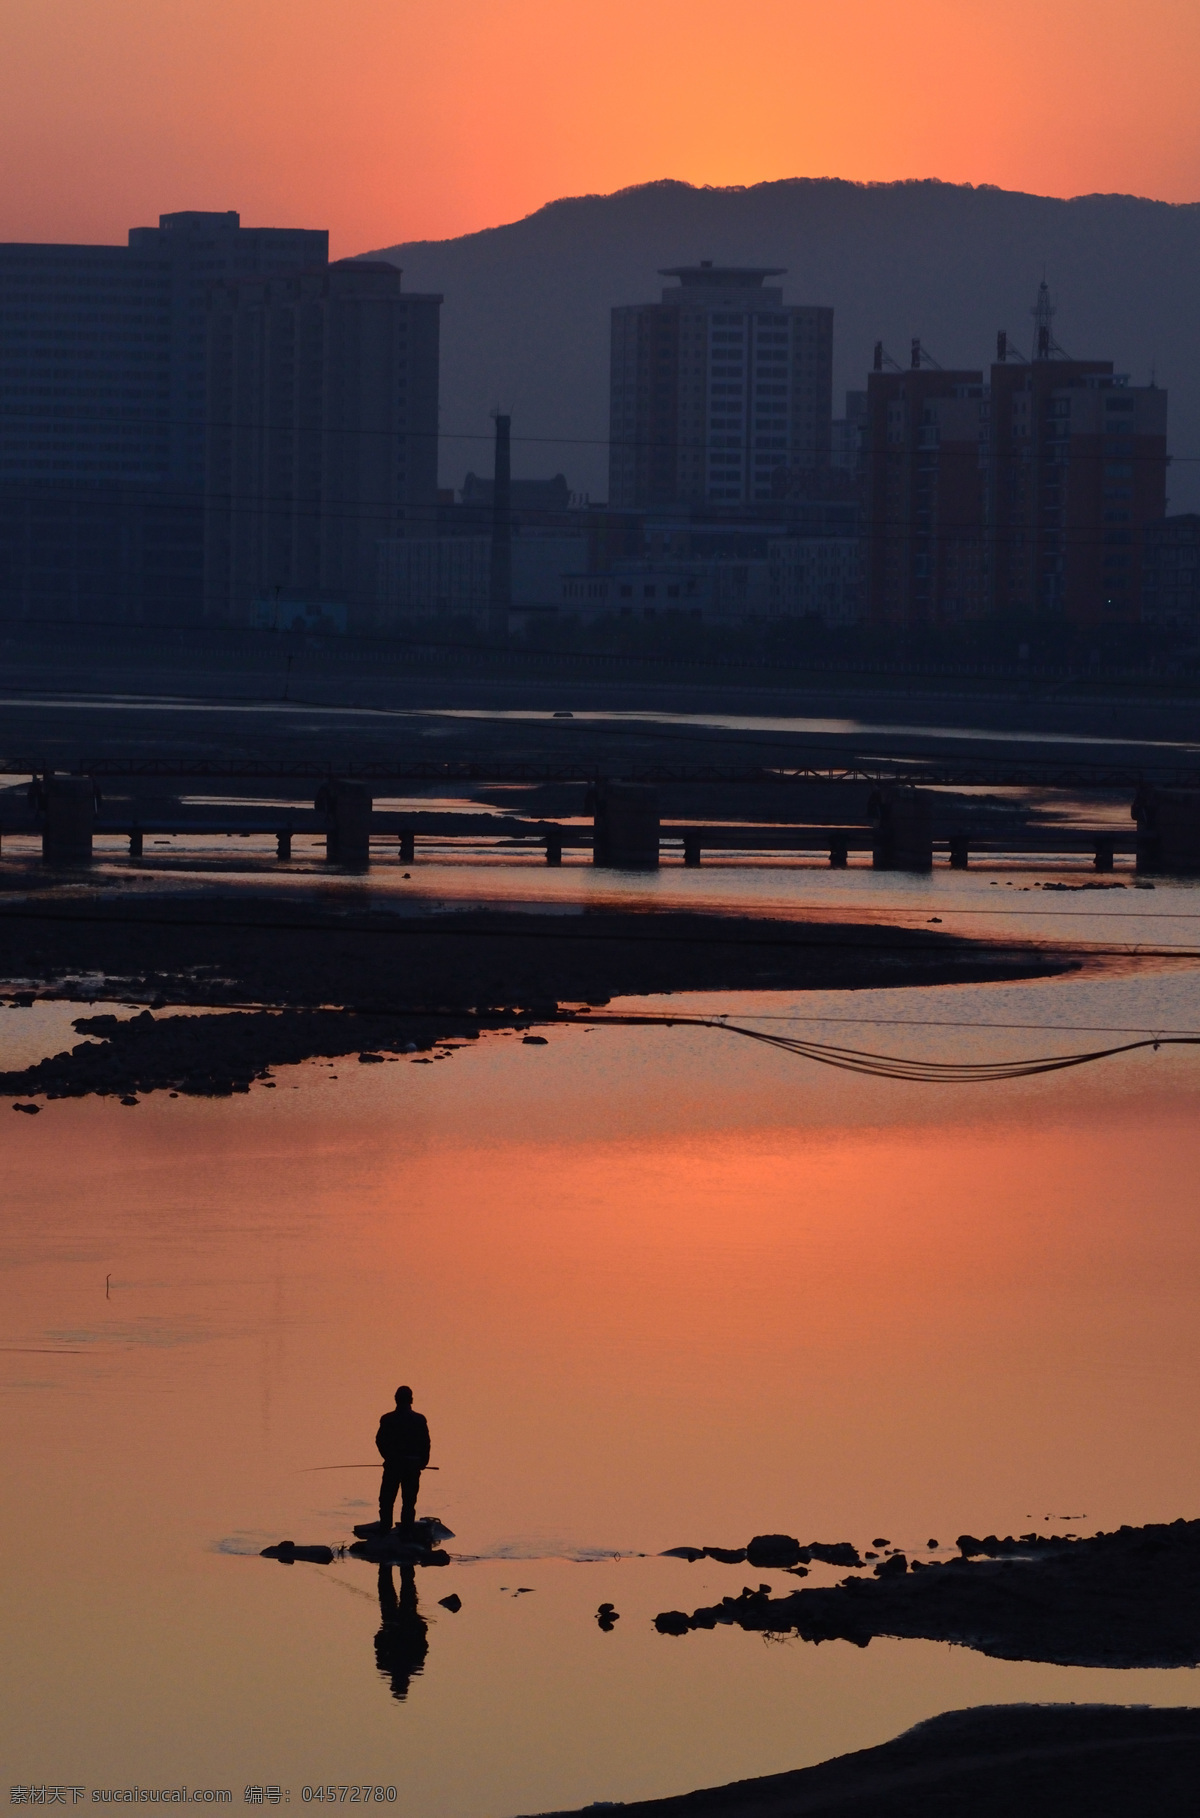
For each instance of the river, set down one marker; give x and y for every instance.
(651, 1287)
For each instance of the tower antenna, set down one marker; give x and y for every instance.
(1043, 312)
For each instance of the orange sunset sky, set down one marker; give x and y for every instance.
(387, 120)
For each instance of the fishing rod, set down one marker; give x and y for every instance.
(375, 1464)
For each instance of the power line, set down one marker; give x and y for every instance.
(922, 1072)
(255, 425)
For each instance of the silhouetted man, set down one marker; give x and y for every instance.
(403, 1443)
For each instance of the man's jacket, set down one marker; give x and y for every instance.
(403, 1438)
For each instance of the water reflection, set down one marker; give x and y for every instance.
(402, 1640)
(657, 1287)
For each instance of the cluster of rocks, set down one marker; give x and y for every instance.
(1125, 1599)
(216, 1056)
(779, 1550)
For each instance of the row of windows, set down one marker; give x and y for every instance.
(25, 466)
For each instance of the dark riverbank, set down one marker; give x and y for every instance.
(1126, 1599)
(998, 1761)
(332, 981)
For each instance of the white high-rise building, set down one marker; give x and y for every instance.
(721, 393)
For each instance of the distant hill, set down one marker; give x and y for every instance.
(525, 321)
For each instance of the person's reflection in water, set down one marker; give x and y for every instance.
(401, 1644)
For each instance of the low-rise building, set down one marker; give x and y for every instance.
(422, 576)
(818, 578)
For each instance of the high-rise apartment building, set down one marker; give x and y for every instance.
(1023, 498)
(721, 393)
(924, 475)
(1077, 466)
(102, 412)
(323, 411)
(102, 347)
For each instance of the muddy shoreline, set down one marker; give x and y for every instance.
(996, 1761)
(308, 980)
(1125, 1599)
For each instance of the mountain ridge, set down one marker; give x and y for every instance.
(525, 321)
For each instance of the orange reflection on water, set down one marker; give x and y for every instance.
(639, 1307)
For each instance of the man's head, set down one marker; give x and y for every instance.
(403, 1397)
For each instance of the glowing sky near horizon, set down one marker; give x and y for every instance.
(389, 120)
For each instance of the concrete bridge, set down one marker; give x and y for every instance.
(908, 826)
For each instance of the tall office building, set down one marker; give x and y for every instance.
(102, 413)
(323, 409)
(720, 394)
(924, 476)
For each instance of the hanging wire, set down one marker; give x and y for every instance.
(894, 1066)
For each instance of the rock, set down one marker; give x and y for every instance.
(453, 1603)
(881, 1543)
(288, 1553)
(838, 1552)
(368, 1060)
(607, 1618)
(727, 1555)
(691, 1554)
(932, 1545)
(384, 1549)
(894, 1567)
(672, 1622)
(533, 1041)
(129, 1099)
(29, 1110)
(773, 1550)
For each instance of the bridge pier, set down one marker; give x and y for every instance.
(348, 804)
(1168, 823)
(839, 852)
(69, 806)
(626, 824)
(960, 851)
(1105, 854)
(408, 848)
(554, 845)
(691, 846)
(283, 843)
(904, 835)
(136, 842)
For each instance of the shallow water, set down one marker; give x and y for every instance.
(651, 1287)
(1068, 902)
